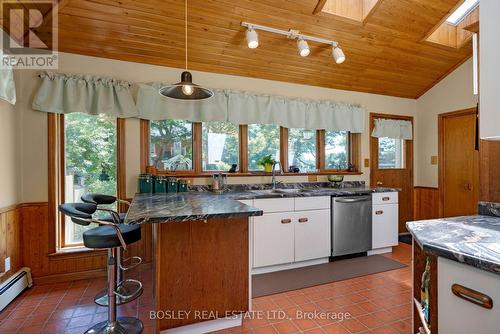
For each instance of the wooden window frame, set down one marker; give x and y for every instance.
(354, 147)
(56, 167)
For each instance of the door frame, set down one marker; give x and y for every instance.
(408, 150)
(441, 144)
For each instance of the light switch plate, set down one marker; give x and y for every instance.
(7, 264)
(367, 162)
(434, 160)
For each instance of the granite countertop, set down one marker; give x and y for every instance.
(472, 240)
(200, 204)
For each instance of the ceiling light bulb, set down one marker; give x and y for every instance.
(338, 55)
(252, 38)
(303, 47)
(187, 89)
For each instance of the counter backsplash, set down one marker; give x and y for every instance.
(309, 185)
(489, 209)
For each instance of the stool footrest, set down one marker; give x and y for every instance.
(133, 293)
(135, 261)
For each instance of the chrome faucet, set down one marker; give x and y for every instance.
(273, 181)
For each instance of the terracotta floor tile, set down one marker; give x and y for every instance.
(286, 327)
(370, 321)
(353, 325)
(304, 324)
(335, 329)
(269, 329)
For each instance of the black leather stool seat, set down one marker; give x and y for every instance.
(98, 199)
(105, 236)
(79, 210)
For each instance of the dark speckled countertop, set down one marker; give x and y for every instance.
(201, 204)
(472, 240)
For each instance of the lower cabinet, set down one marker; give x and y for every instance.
(291, 236)
(312, 235)
(384, 225)
(273, 236)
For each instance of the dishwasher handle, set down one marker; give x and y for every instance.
(352, 200)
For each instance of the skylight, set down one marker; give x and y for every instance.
(458, 15)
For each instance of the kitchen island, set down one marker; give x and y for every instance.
(200, 259)
(465, 270)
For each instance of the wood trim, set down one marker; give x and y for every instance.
(243, 137)
(355, 151)
(320, 150)
(441, 143)
(372, 10)
(144, 142)
(443, 20)
(54, 187)
(284, 148)
(197, 148)
(121, 171)
(319, 7)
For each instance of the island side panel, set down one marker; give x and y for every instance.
(201, 266)
(419, 261)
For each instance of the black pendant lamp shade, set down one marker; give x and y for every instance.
(186, 89)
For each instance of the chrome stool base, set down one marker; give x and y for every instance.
(122, 325)
(128, 291)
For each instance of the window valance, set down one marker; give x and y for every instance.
(248, 108)
(68, 93)
(7, 85)
(152, 106)
(392, 128)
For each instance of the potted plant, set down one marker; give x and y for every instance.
(267, 162)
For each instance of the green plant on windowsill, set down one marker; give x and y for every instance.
(267, 162)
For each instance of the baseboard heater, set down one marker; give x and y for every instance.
(11, 288)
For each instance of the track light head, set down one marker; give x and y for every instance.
(303, 47)
(338, 55)
(252, 38)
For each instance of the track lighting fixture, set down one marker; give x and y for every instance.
(338, 55)
(302, 45)
(252, 38)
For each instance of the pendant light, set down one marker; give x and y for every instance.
(186, 89)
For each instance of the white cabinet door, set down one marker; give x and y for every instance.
(273, 239)
(312, 234)
(384, 225)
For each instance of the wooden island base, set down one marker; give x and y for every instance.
(201, 270)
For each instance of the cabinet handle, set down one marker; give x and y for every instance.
(385, 199)
(286, 221)
(303, 220)
(379, 212)
(472, 296)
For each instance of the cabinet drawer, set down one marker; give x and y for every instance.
(274, 204)
(458, 315)
(312, 203)
(385, 198)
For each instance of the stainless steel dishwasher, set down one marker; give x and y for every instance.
(351, 225)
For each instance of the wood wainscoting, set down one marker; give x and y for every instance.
(27, 242)
(425, 203)
(489, 177)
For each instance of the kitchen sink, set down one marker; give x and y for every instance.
(282, 191)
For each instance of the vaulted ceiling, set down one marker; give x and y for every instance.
(385, 54)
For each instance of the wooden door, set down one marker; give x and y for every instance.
(459, 163)
(398, 172)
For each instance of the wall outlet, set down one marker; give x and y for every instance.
(7, 264)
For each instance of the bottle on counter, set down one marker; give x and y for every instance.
(424, 292)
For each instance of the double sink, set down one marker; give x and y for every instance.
(283, 191)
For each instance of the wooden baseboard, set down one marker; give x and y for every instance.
(81, 275)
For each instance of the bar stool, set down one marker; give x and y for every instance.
(128, 287)
(110, 236)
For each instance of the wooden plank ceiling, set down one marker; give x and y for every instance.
(385, 54)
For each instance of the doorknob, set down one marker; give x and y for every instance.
(379, 183)
(468, 186)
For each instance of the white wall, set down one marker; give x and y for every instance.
(9, 149)
(455, 92)
(34, 141)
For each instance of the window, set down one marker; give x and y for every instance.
(220, 146)
(336, 150)
(171, 145)
(302, 149)
(263, 140)
(90, 163)
(390, 153)
(462, 11)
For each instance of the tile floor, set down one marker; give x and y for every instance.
(378, 303)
